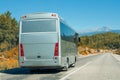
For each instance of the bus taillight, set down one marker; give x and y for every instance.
(54, 15)
(23, 17)
(56, 50)
(21, 50)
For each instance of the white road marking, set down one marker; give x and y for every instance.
(73, 71)
(116, 56)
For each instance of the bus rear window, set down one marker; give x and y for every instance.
(38, 26)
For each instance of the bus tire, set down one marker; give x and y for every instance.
(73, 65)
(67, 65)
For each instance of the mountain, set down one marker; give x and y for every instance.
(98, 30)
(116, 31)
(104, 29)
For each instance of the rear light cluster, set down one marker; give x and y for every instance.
(21, 50)
(54, 15)
(23, 17)
(56, 50)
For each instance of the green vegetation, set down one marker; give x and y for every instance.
(106, 40)
(8, 32)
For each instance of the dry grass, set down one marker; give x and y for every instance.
(117, 51)
(86, 50)
(9, 59)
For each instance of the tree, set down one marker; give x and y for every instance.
(106, 40)
(8, 31)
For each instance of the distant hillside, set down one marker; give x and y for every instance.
(116, 31)
(98, 31)
(108, 40)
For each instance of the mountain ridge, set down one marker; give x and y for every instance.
(98, 31)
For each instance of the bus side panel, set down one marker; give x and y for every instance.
(68, 47)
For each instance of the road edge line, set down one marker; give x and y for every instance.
(75, 71)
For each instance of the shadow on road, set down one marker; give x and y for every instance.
(21, 71)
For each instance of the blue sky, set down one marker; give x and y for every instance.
(79, 14)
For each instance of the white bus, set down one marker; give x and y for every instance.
(46, 41)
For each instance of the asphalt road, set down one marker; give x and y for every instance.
(104, 66)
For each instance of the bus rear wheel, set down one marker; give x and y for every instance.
(73, 65)
(67, 65)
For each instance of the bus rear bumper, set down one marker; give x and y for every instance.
(40, 64)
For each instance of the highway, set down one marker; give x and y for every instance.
(105, 66)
